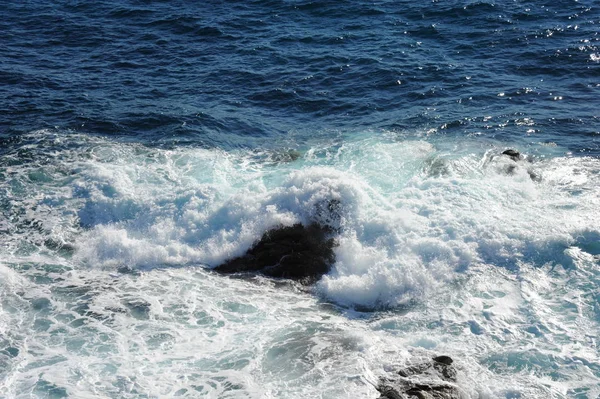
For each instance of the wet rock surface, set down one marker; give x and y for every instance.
(297, 252)
(519, 161)
(430, 379)
(513, 154)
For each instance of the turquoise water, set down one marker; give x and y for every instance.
(107, 289)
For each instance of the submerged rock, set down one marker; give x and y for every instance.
(434, 379)
(285, 156)
(297, 252)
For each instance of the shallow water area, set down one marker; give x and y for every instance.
(179, 332)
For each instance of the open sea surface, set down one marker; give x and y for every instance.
(143, 143)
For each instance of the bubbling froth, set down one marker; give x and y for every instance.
(408, 217)
(448, 245)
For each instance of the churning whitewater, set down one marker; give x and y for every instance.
(108, 246)
(442, 157)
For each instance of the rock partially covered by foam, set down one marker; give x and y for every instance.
(298, 252)
(432, 379)
(513, 154)
(519, 159)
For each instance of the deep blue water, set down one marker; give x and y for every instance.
(232, 74)
(142, 143)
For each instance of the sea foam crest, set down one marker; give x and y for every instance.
(407, 216)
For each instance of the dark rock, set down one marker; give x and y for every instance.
(520, 162)
(410, 390)
(447, 360)
(513, 154)
(295, 252)
(284, 156)
(445, 370)
(389, 392)
(290, 155)
(425, 380)
(426, 391)
(415, 369)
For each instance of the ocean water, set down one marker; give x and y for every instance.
(142, 143)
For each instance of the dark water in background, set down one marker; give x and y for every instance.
(143, 142)
(245, 73)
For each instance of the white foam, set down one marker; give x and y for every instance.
(409, 217)
(495, 269)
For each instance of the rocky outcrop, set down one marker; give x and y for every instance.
(297, 252)
(285, 156)
(513, 154)
(431, 379)
(519, 160)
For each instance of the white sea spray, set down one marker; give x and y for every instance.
(107, 289)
